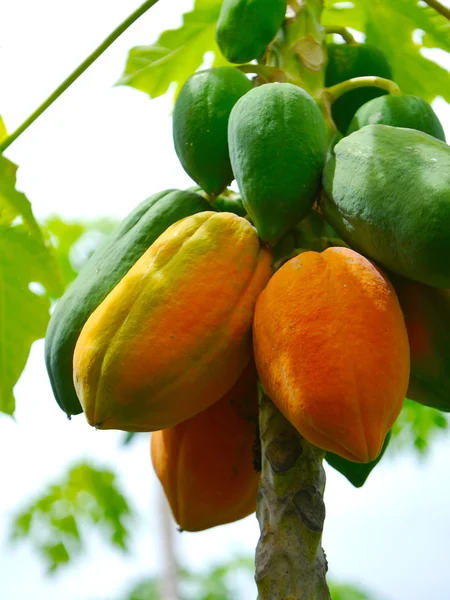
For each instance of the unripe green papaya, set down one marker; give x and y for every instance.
(174, 335)
(427, 318)
(346, 61)
(200, 122)
(387, 194)
(105, 268)
(226, 202)
(277, 143)
(399, 111)
(246, 27)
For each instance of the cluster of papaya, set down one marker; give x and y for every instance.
(175, 318)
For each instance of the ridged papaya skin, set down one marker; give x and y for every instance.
(387, 194)
(277, 141)
(333, 355)
(427, 318)
(246, 27)
(102, 272)
(346, 61)
(205, 464)
(200, 122)
(174, 335)
(399, 111)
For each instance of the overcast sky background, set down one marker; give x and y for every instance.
(99, 151)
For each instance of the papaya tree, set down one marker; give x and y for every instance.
(291, 318)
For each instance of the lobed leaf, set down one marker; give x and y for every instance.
(176, 54)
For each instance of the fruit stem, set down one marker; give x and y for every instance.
(342, 31)
(290, 561)
(78, 71)
(336, 91)
(438, 7)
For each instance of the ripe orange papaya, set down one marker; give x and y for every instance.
(427, 318)
(205, 464)
(332, 351)
(174, 335)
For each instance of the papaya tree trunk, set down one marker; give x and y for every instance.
(290, 561)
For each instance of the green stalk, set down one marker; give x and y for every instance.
(78, 71)
(438, 7)
(342, 31)
(336, 91)
(290, 561)
(300, 49)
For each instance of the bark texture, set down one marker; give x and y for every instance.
(290, 561)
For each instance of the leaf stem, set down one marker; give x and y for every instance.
(78, 71)
(438, 7)
(335, 91)
(343, 32)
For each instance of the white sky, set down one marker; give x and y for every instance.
(99, 151)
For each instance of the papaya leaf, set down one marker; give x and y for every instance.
(356, 473)
(56, 523)
(29, 273)
(344, 14)
(348, 592)
(417, 426)
(3, 132)
(176, 54)
(75, 241)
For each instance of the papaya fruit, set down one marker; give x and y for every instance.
(104, 269)
(277, 142)
(227, 202)
(346, 61)
(356, 473)
(174, 335)
(387, 194)
(399, 111)
(427, 318)
(205, 464)
(200, 122)
(246, 27)
(333, 355)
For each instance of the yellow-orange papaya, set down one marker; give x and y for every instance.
(205, 464)
(174, 335)
(332, 351)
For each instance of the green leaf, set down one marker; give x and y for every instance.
(3, 132)
(28, 269)
(347, 592)
(417, 426)
(75, 241)
(356, 473)
(59, 522)
(176, 54)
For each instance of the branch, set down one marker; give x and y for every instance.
(343, 32)
(290, 562)
(335, 91)
(438, 7)
(78, 71)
